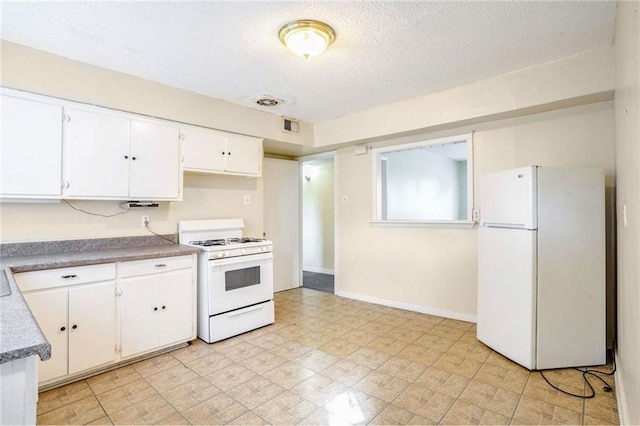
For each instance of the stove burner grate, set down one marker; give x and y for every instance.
(209, 243)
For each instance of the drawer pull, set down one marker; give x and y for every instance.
(160, 265)
(69, 276)
(233, 314)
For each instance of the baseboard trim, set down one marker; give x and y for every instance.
(318, 270)
(620, 396)
(408, 306)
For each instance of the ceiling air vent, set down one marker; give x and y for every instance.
(290, 125)
(268, 101)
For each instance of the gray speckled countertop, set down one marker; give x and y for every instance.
(20, 335)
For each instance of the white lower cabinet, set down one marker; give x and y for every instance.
(84, 320)
(76, 314)
(157, 304)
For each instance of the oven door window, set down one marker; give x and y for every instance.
(240, 278)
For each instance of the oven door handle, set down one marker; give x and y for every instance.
(242, 259)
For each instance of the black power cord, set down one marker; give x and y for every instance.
(146, 225)
(585, 376)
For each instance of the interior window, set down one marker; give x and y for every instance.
(429, 181)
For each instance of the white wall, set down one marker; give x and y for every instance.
(434, 270)
(627, 126)
(317, 216)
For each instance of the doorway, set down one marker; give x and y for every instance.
(317, 176)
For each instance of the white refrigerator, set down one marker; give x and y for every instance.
(541, 266)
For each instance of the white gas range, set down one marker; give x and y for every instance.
(235, 277)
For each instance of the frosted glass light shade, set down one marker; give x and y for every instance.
(306, 37)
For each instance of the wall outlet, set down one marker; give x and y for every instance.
(475, 215)
(345, 199)
(145, 220)
(246, 199)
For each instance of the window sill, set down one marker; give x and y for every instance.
(455, 224)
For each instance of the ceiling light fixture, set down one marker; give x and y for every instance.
(306, 37)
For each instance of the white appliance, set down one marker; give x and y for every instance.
(235, 277)
(541, 266)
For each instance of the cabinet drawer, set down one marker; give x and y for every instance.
(153, 266)
(51, 278)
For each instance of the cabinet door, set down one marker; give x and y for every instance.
(98, 155)
(140, 311)
(204, 151)
(244, 155)
(92, 325)
(155, 161)
(175, 296)
(30, 148)
(50, 311)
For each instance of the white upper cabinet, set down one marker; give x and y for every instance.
(97, 152)
(110, 155)
(211, 151)
(30, 148)
(155, 171)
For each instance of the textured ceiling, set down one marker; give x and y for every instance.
(384, 51)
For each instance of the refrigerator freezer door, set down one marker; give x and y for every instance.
(508, 198)
(507, 293)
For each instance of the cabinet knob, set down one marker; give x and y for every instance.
(164, 307)
(229, 153)
(223, 153)
(133, 158)
(69, 276)
(155, 309)
(74, 326)
(63, 328)
(126, 157)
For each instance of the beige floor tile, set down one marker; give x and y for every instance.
(461, 325)
(500, 361)
(402, 368)
(565, 376)
(323, 416)
(176, 419)
(433, 341)
(491, 397)
(319, 389)
(588, 420)
(443, 382)
(537, 388)
(288, 375)
(422, 322)
(62, 396)
(506, 378)
(150, 411)
(355, 407)
(602, 407)
(337, 330)
(313, 339)
(291, 351)
(191, 393)
(378, 328)
(533, 412)
(403, 313)
(340, 347)
(352, 322)
(404, 334)
(221, 409)
(196, 349)
(464, 413)
(266, 340)
(393, 415)
(421, 354)
(249, 419)
(241, 351)
(369, 358)
(101, 421)
(369, 314)
(264, 362)
(392, 319)
(445, 330)
(360, 337)
(458, 365)
(255, 392)
(346, 372)
(388, 345)
(112, 379)
(382, 386)
(208, 364)
(475, 351)
(155, 365)
(424, 402)
(230, 376)
(79, 412)
(316, 360)
(286, 408)
(171, 378)
(126, 396)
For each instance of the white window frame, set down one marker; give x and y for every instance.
(377, 185)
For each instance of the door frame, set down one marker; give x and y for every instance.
(302, 160)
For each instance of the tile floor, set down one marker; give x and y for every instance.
(331, 360)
